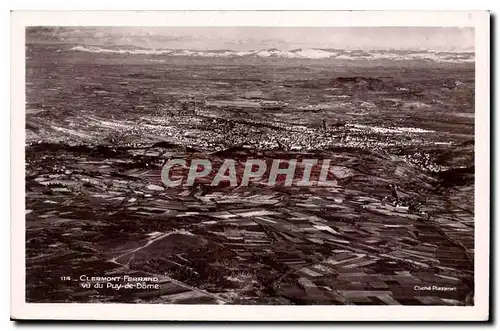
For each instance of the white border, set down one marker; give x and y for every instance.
(21, 310)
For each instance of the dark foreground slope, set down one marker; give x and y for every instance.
(107, 214)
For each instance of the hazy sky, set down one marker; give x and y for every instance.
(249, 38)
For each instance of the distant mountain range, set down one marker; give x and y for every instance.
(301, 53)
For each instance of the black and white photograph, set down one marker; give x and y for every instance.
(253, 165)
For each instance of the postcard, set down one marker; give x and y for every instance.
(250, 165)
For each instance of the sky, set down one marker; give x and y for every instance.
(251, 38)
